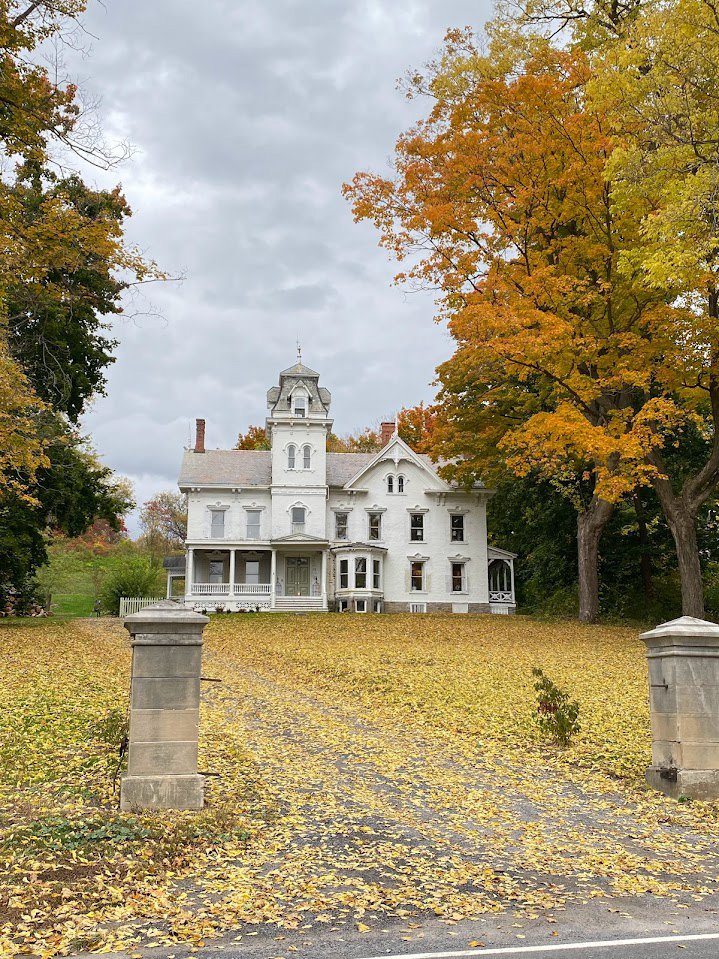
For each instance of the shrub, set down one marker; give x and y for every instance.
(134, 576)
(558, 718)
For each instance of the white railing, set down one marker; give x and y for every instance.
(211, 589)
(253, 589)
(133, 604)
(500, 596)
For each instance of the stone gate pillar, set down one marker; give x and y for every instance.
(164, 709)
(684, 703)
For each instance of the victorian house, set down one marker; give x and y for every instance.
(296, 528)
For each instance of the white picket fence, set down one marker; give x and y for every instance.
(132, 604)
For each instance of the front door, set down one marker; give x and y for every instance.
(298, 576)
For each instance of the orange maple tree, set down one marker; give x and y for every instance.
(499, 201)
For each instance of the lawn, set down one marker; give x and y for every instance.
(369, 768)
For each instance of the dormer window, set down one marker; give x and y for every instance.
(299, 404)
(306, 457)
(291, 456)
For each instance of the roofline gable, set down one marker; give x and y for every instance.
(411, 455)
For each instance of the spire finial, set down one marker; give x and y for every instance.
(299, 351)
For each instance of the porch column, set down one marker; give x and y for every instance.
(189, 571)
(273, 578)
(323, 579)
(168, 594)
(232, 572)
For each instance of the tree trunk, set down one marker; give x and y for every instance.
(645, 555)
(590, 526)
(683, 525)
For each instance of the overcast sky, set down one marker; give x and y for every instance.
(246, 116)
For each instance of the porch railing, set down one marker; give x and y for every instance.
(501, 596)
(224, 589)
(211, 589)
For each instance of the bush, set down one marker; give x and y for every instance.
(134, 576)
(556, 715)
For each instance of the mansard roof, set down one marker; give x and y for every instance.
(278, 397)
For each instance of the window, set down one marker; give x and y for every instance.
(375, 526)
(253, 524)
(417, 576)
(418, 607)
(456, 525)
(252, 571)
(291, 452)
(378, 606)
(400, 484)
(306, 457)
(216, 571)
(344, 605)
(217, 523)
(360, 573)
(300, 405)
(376, 574)
(341, 525)
(344, 574)
(298, 519)
(458, 578)
(416, 527)
(390, 484)
(361, 605)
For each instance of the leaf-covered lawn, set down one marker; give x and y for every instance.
(370, 767)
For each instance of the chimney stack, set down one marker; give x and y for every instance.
(386, 433)
(199, 436)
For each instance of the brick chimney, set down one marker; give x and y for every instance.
(386, 431)
(199, 436)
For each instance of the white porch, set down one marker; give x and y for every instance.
(500, 575)
(257, 578)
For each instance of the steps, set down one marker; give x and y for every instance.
(299, 604)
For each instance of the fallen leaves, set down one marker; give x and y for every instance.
(372, 768)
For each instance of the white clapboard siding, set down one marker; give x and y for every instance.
(133, 604)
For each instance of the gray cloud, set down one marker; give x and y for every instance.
(247, 117)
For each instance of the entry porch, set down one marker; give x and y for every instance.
(264, 578)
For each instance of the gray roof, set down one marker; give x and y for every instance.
(247, 468)
(299, 369)
(226, 468)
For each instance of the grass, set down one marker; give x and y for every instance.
(343, 744)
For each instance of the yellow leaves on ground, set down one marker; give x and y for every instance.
(370, 768)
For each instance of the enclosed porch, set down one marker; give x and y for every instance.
(500, 574)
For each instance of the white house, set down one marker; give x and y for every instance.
(298, 528)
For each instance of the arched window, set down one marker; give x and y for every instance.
(500, 576)
(291, 451)
(400, 484)
(306, 457)
(390, 484)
